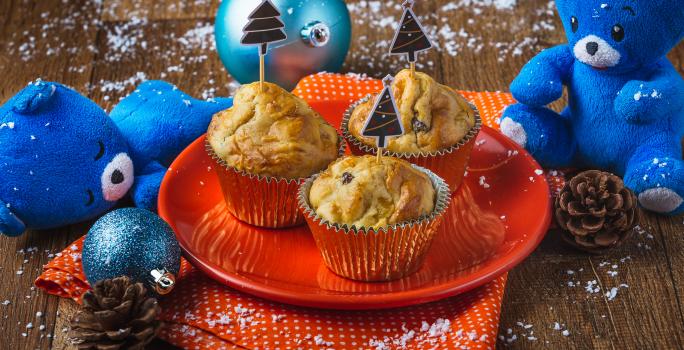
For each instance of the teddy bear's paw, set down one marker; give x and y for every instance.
(661, 200)
(638, 102)
(658, 182)
(146, 187)
(514, 131)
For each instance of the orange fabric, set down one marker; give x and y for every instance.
(203, 314)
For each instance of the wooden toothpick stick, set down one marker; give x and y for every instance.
(264, 27)
(413, 69)
(262, 73)
(380, 155)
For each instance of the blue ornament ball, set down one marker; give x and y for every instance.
(135, 243)
(318, 39)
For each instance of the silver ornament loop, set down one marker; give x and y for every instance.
(163, 281)
(316, 34)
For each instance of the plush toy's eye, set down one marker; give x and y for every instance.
(618, 33)
(101, 153)
(574, 23)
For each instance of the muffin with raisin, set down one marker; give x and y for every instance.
(441, 126)
(374, 219)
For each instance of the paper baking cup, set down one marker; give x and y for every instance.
(373, 255)
(262, 201)
(450, 163)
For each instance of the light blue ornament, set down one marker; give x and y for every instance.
(135, 243)
(318, 39)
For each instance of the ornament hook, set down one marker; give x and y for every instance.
(316, 34)
(163, 281)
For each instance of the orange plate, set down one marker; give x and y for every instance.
(496, 219)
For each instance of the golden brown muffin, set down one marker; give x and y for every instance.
(273, 133)
(433, 115)
(363, 192)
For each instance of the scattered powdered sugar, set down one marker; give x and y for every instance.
(498, 4)
(613, 291)
(603, 284)
(130, 34)
(200, 37)
(245, 317)
(447, 37)
(123, 39)
(126, 34)
(9, 125)
(32, 326)
(120, 86)
(318, 340)
(643, 235)
(427, 335)
(521, 330)
(483, 182)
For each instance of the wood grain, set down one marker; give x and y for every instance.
(485, 52)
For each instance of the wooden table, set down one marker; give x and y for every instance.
(75, 42)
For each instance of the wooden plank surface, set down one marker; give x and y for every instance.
(555, 299)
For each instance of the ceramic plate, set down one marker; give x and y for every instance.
(496, 219)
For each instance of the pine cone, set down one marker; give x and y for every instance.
(596, 211)
(116, 315)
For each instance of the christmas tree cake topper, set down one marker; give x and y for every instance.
(383, 121)
(411, 37)
(264, 27)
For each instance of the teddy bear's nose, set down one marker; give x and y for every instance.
(117, 177)
(592, 48)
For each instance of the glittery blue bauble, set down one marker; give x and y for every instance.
(130, 242)
(318, 39)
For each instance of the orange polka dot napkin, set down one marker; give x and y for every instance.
(203, 314)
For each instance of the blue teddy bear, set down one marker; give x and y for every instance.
(64, 160)
(626, 100)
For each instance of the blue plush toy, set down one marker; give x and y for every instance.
(159, 121)
(626, 100)
(63, 160)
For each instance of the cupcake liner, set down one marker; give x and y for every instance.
(449, 163)
(383, 254)
(263, 201)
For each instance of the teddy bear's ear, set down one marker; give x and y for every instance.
(33, 97)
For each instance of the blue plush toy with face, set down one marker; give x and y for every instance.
(64, 160)
(626, 100)
(58, 168)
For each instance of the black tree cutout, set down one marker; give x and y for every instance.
(410, 38)
(383, 121)
(264, 27)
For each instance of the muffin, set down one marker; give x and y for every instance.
(374, 219)
(265, 146)
(273, 134)
(365, 192)
(441, 126)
